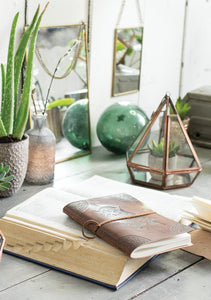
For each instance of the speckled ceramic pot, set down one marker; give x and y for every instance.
(16, 156)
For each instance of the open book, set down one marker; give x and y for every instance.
(38, 230)
(129, 225)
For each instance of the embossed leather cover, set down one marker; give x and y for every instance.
(125, 234)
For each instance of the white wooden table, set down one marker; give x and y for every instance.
(174, 275)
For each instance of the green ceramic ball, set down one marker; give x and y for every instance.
(75, 124)
(119, 124)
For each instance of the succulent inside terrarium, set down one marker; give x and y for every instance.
(158, 149)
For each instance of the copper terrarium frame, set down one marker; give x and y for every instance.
(187, 167)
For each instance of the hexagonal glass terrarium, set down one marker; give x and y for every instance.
(168, 159)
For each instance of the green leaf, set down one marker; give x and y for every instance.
(23, 110)
(2, 84)
(120, 46)
(158, 149)
(61, 102)
(130, 51)
(138, 38)
(8, 104)
(2, 129)
(8, 178)
(19, 57)
(2, 175)
(182, 108)
(4, 186)
(6, 169)
(4, 181)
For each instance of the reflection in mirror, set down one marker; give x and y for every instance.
(60, 78)
(127, 60)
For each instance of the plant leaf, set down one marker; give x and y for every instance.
(2, 187)
(61, 102)
(8, 104)
(2, 174)
(2, 84)
(120, 46)
(2, 129)
(23, 110)
(6, 169)
(129, 51)
(8, 178)
(19, 56)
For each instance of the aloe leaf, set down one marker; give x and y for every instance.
(23, 110)
(8, 104)
(1, 167)
(2, 84)
(19, 56)
(2, 129)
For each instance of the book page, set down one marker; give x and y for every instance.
(46, 209)
(170, 206)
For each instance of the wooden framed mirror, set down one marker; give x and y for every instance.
(60, 77)
(128, 44)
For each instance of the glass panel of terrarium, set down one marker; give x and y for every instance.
(180, 153)
(180, 179)
(137, 155)
(146, 176)
(155, 133)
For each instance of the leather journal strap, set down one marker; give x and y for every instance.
(98, 225)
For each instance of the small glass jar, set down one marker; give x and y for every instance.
(42, 147)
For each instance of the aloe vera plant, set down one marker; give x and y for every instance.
(4, 180)
(13, 117)
(158, 149)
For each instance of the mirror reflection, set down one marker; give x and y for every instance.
(60, 81)
(127, 60)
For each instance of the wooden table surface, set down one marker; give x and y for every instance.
(174, 275)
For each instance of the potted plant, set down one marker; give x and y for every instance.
(182, 108)
(176, 132)
(156, 152)
(14, 113)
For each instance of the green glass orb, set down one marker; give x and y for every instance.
(75, 124)
(118, 126)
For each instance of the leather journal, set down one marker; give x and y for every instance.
(127, 224)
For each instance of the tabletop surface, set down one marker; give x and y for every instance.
(174, 275)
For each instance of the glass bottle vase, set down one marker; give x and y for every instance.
(42, 146)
